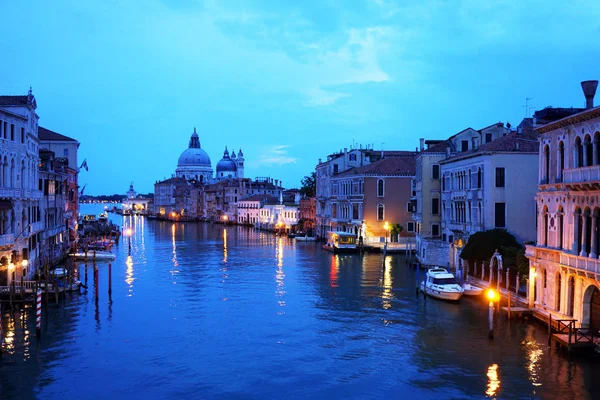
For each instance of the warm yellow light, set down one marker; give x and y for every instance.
(24, 263)
(224, 217)
(128, 232)
(491, 294)
(386, 226)
(11, 266)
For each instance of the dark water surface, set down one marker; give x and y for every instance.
(199, 311)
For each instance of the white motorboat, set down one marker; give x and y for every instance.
(441, 284)
(305, 238)
(471, 290)
(99, 255)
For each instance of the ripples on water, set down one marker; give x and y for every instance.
(200, 311)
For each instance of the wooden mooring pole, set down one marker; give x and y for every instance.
(109, 279)
(96, 283)
(508, 305)
(549, 329)
(38, 313)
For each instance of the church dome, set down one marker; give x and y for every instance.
(226, 166)
(194, 156)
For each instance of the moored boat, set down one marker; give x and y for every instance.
(471, 290)
(441, 284)
(90, 255)
(305, 238)
(341, 242)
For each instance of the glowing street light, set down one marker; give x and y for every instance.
(491, 295)
(129, 232)
(386, 226)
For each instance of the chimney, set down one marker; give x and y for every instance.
(589, 91)
(422, 144)
(448, 151)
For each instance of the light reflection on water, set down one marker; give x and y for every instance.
(296, 320)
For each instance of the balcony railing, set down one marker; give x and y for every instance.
(561, 256)
(585, 174)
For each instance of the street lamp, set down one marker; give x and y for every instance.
(386, 226)
(491, 295)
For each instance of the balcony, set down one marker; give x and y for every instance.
(48, 233)
(7, 240)
(38, 227)
(563, 258)
(586, 178)
(24, 194)
(458, 194)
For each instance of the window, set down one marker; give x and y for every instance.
(410, 226)
(335, 168)
(12, 132)
(408, 207)
(380, 188)
(435, 206)
(500, 216)
(435, 230)
(479, 178)
(436, 171)
(500, 177)
(464, 145)
(22, 135)
(380, 212)
(488, 137)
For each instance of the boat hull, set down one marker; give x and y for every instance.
(305, 239)
(90, 256)
(441, 294)
(340, 250)
(472, 290)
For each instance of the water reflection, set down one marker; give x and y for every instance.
(129, 278)
(280, 275)
(334, 270)
(534, 353)
(387, 294)
(493, 381)
(224, 245)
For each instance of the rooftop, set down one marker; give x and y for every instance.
(402, 166)
(47, 134)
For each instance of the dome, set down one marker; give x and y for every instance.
(226, 166)
(194, 156)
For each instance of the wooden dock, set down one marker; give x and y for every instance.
(518, 311)
(568, 336)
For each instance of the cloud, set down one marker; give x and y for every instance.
(318, 97)
(275, 155)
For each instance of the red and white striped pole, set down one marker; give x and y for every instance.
(38, 313)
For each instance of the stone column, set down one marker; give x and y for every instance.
(576, 228)
(507, 278)
(491, 271)
(575, 157)
(593, 247)
(482, 270)
(583, 237)
(531, 288)
(585, 155)
(595, 150)
(517, 284)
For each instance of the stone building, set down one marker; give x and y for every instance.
(249, 208)
(307, 214)
(364, 199)
(21, 224)
(564, 262)
(491, 186)
(426, 201)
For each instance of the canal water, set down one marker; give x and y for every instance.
(202, 311)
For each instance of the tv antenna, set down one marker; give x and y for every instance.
(527, 106)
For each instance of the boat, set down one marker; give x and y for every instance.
(341, 242)
(99, 255)
(441, 284)
(103, 217)
(305, 238)
(471, 290)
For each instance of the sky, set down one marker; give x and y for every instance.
(288, 82)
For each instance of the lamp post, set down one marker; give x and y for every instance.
(491, 295)
(386, 226)
(129, 233)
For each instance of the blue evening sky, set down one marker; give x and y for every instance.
(287, 81)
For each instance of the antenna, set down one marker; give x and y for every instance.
(527, 106)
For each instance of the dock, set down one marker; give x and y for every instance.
(568, 336)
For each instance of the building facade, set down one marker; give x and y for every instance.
(426, 202)
(490, 187)
(564, 262)
(20, 195)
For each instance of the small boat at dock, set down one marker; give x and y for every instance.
(305, 238)
(471, 290)
(341, 242)
(90, 255)
(441, 284)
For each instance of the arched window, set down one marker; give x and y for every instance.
(578, 156)
(546, 172)
(12, 173)
(479, 178)
(588, 155)
(561, 226)
(596, 148)
(23, 182)
(380, 188)
(571, 296)
(561, 160)
(545, 226)
(380, 212)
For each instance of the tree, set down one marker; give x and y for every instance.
(482, 245)
(309, 185)
(395, 230)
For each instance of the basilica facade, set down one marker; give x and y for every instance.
(194, 164)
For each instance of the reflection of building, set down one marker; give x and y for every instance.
(21, 221)
(564, 262)
(364, 199)
(278, 216)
